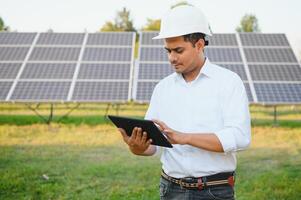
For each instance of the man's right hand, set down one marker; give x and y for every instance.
(137, 142)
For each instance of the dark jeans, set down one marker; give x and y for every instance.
(173, 191)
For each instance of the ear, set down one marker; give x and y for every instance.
(200, 45)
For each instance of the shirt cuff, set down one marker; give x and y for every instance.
(227, 139)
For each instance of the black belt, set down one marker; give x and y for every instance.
(226, 178)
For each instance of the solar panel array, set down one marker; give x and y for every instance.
(265, 63)
(274, 69)
(81, 67)
(99, 67)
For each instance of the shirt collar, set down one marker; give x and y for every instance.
(205, 70)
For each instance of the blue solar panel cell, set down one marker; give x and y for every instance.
(266, 39)
(12, 38)
(101, 91)
(4, 89)
(275, 72)
(61, 39)
(146, 39)
(13, 53)
(220, 39)
(48, 71)
(107, 54)
(145, 90)
(223, 54)
(54, 54)
(270, 55)
(155, 71)
(105, 71)
(41, 91)
(153, 54)
(9, 70)
(278, 93)
(111, 38)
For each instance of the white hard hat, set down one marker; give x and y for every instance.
(182, 20)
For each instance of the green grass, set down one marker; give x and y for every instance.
(85, 158)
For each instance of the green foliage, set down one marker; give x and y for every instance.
(122, 22)
(152, 25)
(1, 24)
(249, 23)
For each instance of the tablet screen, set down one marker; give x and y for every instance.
(153, 132)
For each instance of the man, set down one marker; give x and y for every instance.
(201, 108)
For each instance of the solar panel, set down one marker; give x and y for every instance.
(107, 54)
(111, 38)
(13, 53)
(145, 90)
(260, 39)
(278, 93)
(4, 89)
(220, 39)
(11, 38)
(156, 54)
(54, 54)
(101, 91)
(9, 70)
(48, 71)
(41, 91)
(61, 39)
(105, 71)
(248, 91)
(223, 54)
(237, 68)
(270, 55)
(272, 72)
(155, 71)
(147, 39)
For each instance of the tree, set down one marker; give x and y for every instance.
(152, 25)
(122, 22)
(3, 27)
(249, 23)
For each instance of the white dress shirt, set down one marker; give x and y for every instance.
(215, 102)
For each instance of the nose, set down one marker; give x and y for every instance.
(173, 58)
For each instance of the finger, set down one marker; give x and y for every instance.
(144, 137)
(139, 135)
(123, 133)
(149, 142)
(134, 133)
(160, 123)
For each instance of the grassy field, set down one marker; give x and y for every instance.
(83, 157)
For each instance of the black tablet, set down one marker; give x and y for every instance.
(153, 132)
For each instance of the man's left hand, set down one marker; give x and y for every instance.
(173, 136)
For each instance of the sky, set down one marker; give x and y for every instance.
(274, 16)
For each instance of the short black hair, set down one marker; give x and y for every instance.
(194, 37)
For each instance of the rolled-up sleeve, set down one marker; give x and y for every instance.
(236, 132)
